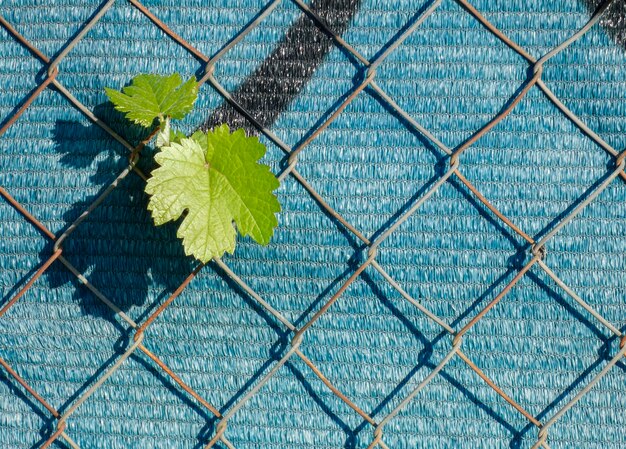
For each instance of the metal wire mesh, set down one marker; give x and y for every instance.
(366, 79)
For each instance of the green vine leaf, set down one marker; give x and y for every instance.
(149, 97)
(216, 179)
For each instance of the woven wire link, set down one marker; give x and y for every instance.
(536, 248)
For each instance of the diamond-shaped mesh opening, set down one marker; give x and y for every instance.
(535, 195)
(368, 177)
(52, 137)
(452, 92)
(532, 327)
(380, 364)
(194, 337)
(452, 255)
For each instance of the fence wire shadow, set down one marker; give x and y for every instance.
(531, 255)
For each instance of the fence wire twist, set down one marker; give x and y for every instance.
(536, 247)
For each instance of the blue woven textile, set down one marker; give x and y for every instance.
(451, 75)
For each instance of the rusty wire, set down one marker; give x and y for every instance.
(536, 249)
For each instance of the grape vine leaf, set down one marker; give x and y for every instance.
(150, 96)
(216, 179)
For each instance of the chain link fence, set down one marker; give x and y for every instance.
(365, 80)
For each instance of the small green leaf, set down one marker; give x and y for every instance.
(216, 178)
(155, 96)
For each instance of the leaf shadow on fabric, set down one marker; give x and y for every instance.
(117, 247)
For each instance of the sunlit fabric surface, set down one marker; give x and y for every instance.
(452, 76)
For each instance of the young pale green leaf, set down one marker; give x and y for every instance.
(155, 96)
(216, 178)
